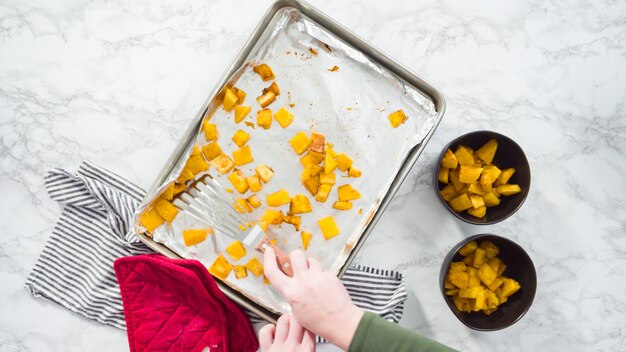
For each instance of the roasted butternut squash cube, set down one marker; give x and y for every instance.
(178, 188)
(354, 172)
(493, 171)
(150, 219)
(266, 99)
(223, 163)
(264, 71)
(329, 164)
(397, 118)
(494, 263)
(342, 205)
(254, 201)
(443, 175)
(230, 99)
(168, 193)
(221, 267)
(469, 174)
(485, 181)
(300, 204)
(456, 182)
(475, 188)
(346, 192)
(294, 220)
(318, 142)
(312, 185)
(264, 118)
(328, 148)
(504, 176)
(486, 274)
(491, 250)
(185, 175)
(254, 183)
(166, 209)
(240, 271)
(241, 112)
(509, 287)
(462, 304)
(236, 250)
(461, 203)
(196, 164)
(243, 203)
(254, 266)
(451, 292)
(278, 198)
(272, 88)
(300, 142)
(468, 248)
(477, 212)
(458, 266)
(449, 160)
(473, 280)
(192, 237)
(271, 217)
(323, 192)
(508, 190)
(458, 278)
(495, 284)
(212, 151)
(306, 239)
(240, 210)
(241, 95)
(238, 180)
(327, 179)
(488, 151)
(464, 155)
(477, 201)
(210, 131)
(447, 193)
(490, 199)
(469, 260)
(343, 162)
(329, 227)
(243, 156)
(265, 172)
(471, 292)
(284, 117)
(196, 150)
(311, 170)
(312, 158)
(479, 258)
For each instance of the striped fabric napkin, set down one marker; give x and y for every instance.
(75, 269)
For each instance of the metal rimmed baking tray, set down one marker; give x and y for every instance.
(251, 47)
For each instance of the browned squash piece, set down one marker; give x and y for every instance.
(264, 71)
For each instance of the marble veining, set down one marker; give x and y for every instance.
(117, 82)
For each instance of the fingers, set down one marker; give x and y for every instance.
(266, 336)
(282, 328)
(273, 273)
(308, 341)
(298, 262)
(314, 264)
(296, 331)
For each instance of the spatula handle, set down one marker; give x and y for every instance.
(282, 259)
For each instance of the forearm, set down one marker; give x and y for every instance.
(376, 334)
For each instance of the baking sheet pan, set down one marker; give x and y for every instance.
(343, 111)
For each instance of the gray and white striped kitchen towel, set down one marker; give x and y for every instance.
(75, 269)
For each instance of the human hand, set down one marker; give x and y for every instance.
(286, 336)
(318, 299)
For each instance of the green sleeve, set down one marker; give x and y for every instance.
(376, 334)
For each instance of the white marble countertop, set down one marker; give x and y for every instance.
(117, 82)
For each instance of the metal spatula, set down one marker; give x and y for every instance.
(206, 201)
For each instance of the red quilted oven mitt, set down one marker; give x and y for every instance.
(168, 308)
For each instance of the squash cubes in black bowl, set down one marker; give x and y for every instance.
(482, 177)
(488, 281)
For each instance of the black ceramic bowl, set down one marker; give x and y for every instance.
(519, 267)
(509, 154)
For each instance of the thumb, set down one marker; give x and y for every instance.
(271, 270)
